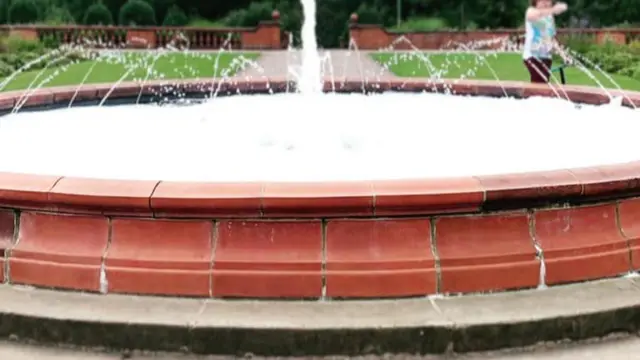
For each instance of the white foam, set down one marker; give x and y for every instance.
(296, 137)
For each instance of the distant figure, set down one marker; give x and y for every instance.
(540, 38)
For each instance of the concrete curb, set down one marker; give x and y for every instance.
(460, 324)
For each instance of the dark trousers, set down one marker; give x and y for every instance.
(539, 69)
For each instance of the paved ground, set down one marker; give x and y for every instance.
(336, 63)
(614, 348)
(495, 320)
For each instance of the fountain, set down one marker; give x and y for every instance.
(414, 192)
(310, 80)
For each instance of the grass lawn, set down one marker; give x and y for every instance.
(507, 66)
(133, 66)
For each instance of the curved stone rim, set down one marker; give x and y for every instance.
(327, 199)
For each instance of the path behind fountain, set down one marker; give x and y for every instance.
(283, 64)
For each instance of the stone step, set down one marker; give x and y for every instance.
(419, 325)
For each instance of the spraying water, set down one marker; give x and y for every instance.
(310, 78)
(287, 149)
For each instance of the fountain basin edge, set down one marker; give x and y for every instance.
(44, 97)
(431, 236)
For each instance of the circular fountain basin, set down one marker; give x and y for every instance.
(337, 137)
(334, 196)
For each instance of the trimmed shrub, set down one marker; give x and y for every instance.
(175, 17)
(4, 10)
(161, 7)
(632, 71)
(23, 12)
(634, 47)
(18, 45)
(137, 13)
(6, 69)
(58, 16)
(423, 24)
(250, 16)
(98, 14)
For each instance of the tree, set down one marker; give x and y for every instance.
(114, 6)
(137, 13)
(495, 14)
(77, 8)
(175, 17)
(23, 12)
(98, 14)
(251, 15)
(58, 15)
(4, 10)
(161, 7)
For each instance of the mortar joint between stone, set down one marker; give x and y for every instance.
(215, 225)
(436, 255)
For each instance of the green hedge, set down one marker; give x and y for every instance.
(16, 52)
(98, 14)
(23, 12)
(175, 17)
(137, 13)
(609, 57)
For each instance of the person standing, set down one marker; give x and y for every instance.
(540, 38)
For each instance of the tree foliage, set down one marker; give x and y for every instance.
(98, 14)
(23, 12)
(332, 15)
(175, 17)
(137, 13)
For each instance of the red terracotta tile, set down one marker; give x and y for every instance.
(268, 259)
(427, 196)
(631, 100)
(7, 226)
(538, 90)
(129, 89)
(581, 243)
(279, 85)
(385, 84)
(416, 85)
(154, 88)
(396, 84)
(103, 196)
(167, 257)
(503, 88)
(528, 186)
(348, 85)
(40, 97)
(179, 199)
(252, 85)
(486, 253)
(224, 87)
(7, 101)
(77, 93)
(318, 199)
(463, 88)
(587, 96)
(379, 258)
(60, 251)
(609, 179)
(629, 213)
(25, 191)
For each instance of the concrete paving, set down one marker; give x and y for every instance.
(617, 348)
(459, 311)
(335, 63)
(425, 325)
